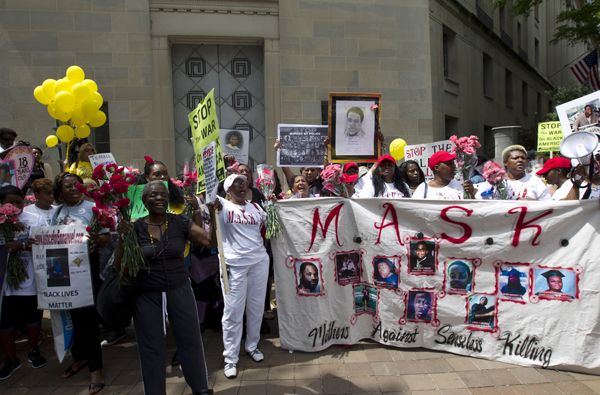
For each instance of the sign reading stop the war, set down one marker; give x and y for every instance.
(422, 152)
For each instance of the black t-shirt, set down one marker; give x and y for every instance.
(165, 257)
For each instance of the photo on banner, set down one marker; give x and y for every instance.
(366, 299)
(555, 284)
(301, 145)
(235, 142)
(581, 114)
(421, 153)
(482, 312)
(353, 127)
(348, 268)
(513, 282)
(309, 279)
(386, 271)
(423, 256)
(459, 276)
(420, 305)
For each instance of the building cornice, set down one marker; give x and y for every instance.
(248, 7)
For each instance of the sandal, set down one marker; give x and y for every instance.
(96, 387)
(71, 372)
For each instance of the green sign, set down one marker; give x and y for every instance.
(550, 136)
(134, 193)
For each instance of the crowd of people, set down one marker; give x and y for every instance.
(182, 257)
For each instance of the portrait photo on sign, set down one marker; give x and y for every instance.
(459, 276)
(301, 145)
(235, 142)
(57, 267)
(420, 306)
(386, 271)
(581, 114)
(555, 284)
(481, 312)
(513, 282)
(348, 268)
(423, 257)
(353, 126)
(7, 173)
(365, 299)
(308, 277)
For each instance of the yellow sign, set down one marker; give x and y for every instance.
(550, 136)
(205, 130)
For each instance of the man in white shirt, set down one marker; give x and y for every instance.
(587, 118)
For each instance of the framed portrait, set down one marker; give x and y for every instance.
(353, 126)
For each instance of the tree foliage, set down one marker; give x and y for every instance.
(564, 94)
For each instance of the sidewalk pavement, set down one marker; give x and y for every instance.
(367, 367)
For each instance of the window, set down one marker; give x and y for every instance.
(503, 18)
(488, 76)
(519, 34)
(524, 99)
(450, 127)
(508, 88)
(446, 60)
(538, 108)
(537, 53)
(450, 61)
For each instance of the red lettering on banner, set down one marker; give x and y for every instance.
(467, 229)
(521, 224)
(317, 224)
(389, 209)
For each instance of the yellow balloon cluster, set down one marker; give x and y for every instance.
(75, 102)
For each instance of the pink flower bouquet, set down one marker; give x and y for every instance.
(334, 180)
(495, 175)
(15, 270)
(466, 157)
(265, 182)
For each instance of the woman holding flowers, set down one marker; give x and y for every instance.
(164, 288)
(86, 348)
(20, 298)
(444, 186)
(82, 167)
(386, 181)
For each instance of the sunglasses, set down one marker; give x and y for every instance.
(89, 150)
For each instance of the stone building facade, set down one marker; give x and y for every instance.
(443, 66)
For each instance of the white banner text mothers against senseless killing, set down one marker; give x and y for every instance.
(62, 267)
(504, 280)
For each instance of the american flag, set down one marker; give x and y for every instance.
(587, 70)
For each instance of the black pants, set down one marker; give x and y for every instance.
(86, 326)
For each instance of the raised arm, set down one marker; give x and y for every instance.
(199, 236)
(286, 170)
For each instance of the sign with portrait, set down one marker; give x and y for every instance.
(235, 142)
(61, 265)
(301, 145)
(22, 165)
(353, 127)
(421, 153)
(581, 114)
(498, 280)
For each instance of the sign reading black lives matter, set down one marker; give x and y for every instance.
(62, 267)
(301, 145)
(502, 280)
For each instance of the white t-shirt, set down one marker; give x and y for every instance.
(241, 228)
(452, 191)
(563, 191)
(27, 287)
(368, 191)
(360, 184)
(46, 214)
(530, 187)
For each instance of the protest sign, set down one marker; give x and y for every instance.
(101, 159)
(235, 142)
(210, 174)
(550, 136)
(23, 164)
(580, 114)
(301, 145)
(205, 129)
(134, 194)
(422, 152)
(508, 281)
(61, 264)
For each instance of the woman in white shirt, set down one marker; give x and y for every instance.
(522, 186)
(242, 224)
(444, 186)
(44, 199)
(386, 181)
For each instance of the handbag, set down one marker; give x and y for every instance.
(116, 301)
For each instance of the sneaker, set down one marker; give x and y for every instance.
(113, 338)
(36, 359)
(256, 355)
(9, 367)
(230, 370)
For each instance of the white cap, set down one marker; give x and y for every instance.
(229, 180)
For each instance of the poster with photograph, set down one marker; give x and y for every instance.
(459, 276)
(421, 153)
(24, 160)
(348, 267)
(555, 284)
(386, 271)
(62, 267)
(235, 142)
(514, 282)
(301, 145)
(365, 299)
(580, 114)
(309, 280)
(420, 305)
(482, 312)
(423, 257)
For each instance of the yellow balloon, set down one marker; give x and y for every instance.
(98, 98)
(80, 91)
(82, 131)
(89, 107)
(397, 148)
(63, 85)
(48, 87)
(98, 119)
(78, 118)
(51, 109)
(65, 101)
(75, 74)
(38, 92)
(51, 141)
(62, 116)
(65, 133)
(92, 85)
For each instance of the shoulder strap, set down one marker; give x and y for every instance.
(426, 189)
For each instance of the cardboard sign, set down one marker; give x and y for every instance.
(488, 279)
(134, 193)
(550, 136)
(205, 129)
(23, 162)
(301, 145)
(102, 159)
(235, 142)
(210, 171)
(62, 267)
(422, 152)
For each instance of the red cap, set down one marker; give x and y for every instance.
(439, 157)
(350, 179)
(349, 165)
(386, 157)
(555, 163)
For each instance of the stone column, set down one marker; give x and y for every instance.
(272, 96)
(505, 136)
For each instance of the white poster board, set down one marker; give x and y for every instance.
(209, 158)
(235, 142)
(572, 114)
(301, 145)
(422, 152)
(62, 267)
(102, 159)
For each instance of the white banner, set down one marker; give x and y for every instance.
(422, 152)
(509, 281)
(62, 267)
